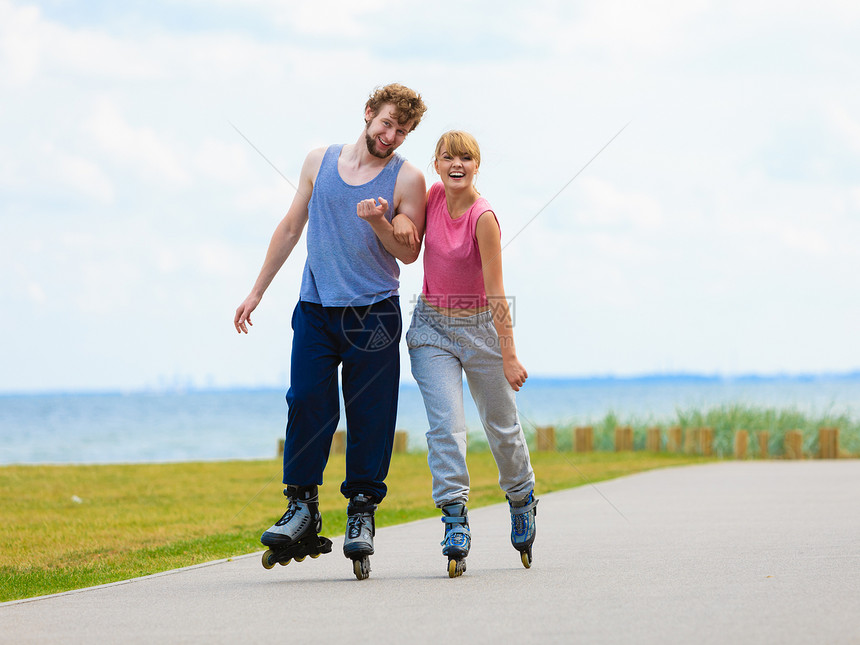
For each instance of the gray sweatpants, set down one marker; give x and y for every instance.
(441, 348)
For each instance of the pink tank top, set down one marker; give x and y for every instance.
(453, 275)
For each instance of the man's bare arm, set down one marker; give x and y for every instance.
(284, 240)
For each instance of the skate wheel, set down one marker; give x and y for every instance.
(456, 568)
(361, 568)
(300, 559)
(269, 559)
(284, 563)
(315, 555)
(526, 557)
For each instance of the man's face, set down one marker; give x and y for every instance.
(383, 133)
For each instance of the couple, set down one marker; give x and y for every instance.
(365, 208)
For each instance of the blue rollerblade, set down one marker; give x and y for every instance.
(523, 526)
(457, 540)
(296, 534)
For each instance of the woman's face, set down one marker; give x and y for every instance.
(457, 172)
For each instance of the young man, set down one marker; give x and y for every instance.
(348, 313)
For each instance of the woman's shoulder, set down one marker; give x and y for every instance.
(435, 195)
(435, 189)
(480, 207)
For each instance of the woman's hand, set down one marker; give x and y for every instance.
(515, 372)
(405, 231)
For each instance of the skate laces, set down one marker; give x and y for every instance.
(456, 523)
(457, 537)
(286, 517)
(521, 513)
(520, 523)
(354, 524)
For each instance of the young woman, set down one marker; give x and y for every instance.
(462, 323)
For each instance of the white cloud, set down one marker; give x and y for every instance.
(613, 29)
(334, 18)
(19, 48)
(36, 293)
(605, 205)
(218, 258)
(847, 125)
(81, 175)
(31, 46)
(129, 198)
(141, 148)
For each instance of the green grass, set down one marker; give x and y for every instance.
(69, 527)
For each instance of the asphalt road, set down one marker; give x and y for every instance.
(733, 552)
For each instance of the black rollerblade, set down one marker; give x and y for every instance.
(296, 534)
(523, 526)
(360, 529)
(457, 540)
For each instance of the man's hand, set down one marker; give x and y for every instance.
(368, 209)
(243, 314)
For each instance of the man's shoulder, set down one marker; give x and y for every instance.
(317, 154)
(313, 162)
(410, 175)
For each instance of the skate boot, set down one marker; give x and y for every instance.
(296, 534)
(523, 526)
(457, 540)
(360, 529)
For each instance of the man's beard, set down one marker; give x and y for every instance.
(371, 147)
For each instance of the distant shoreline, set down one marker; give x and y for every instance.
(675, 378)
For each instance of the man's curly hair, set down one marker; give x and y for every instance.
(407, 103)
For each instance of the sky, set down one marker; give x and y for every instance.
(716, 234)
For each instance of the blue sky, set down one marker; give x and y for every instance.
(718, 233)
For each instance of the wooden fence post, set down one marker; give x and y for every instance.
(545, 438)
(623, 438)
(673, 439)
(793, 444)
(741, 441)
(583, 439)
(763, 440)
(401, 440)
(691, 441)
(706, 441)
(828, 443)
(338, 443)
(653, 440)
(280, 448)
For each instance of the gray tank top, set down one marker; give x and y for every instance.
(347, 264)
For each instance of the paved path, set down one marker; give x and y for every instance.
(755, 552)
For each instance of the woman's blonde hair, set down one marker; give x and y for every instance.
(459, 144)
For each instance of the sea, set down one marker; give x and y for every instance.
(205, 425)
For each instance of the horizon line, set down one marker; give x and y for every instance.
(680, 376)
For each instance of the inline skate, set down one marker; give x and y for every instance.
(296, 534)
(523, 514)
(360, 529)
(457, 539)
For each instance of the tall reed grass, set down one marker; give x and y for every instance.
(725, 421)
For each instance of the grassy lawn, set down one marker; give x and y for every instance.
(69, 527)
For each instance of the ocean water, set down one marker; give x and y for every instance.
(246, 424)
